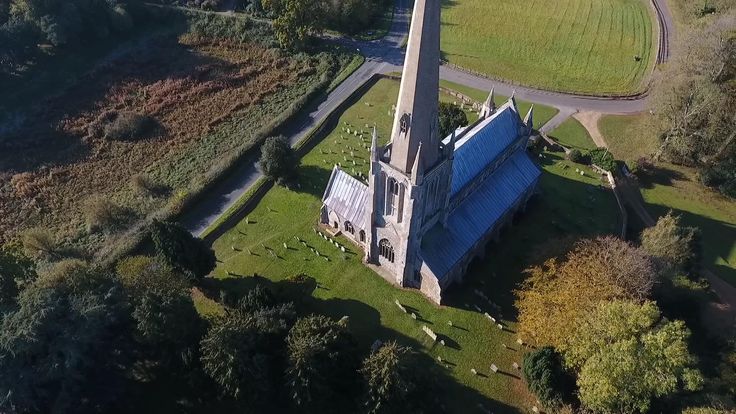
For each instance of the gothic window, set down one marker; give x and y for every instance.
(392, 195)
(362, 236)
(334, 224)
(385, 250)
(349, 227)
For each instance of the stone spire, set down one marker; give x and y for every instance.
(417, 170)
(416, 119)
(529, 119)
(489, 106)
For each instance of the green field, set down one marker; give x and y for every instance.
(585, 46)
(572, 134)
(569, 204)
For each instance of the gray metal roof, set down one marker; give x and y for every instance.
(347, 197)
(481, 145)
(443, 247)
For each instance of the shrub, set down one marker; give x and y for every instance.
(39, 241)
(546, 376)
(602, 158)
(101, 213)
(128, 126)
(184, 252)
(451, 117)
(575, 156)
(278, 160)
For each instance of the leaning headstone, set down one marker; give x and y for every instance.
(342, 249)
(473, 371)
(500, 326)
(442, 342)
(439, 359)
(449, 323)
(285, 246)
(403, 309)
(504, 346)
(516, 366)
(413, 315)
(494, 368)
(520, 341)
(490, 317)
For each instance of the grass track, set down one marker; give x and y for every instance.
(585, 46)
(570, 204)
(573, 134)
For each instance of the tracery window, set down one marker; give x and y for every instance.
(362, 235)
(349, 227)
(385, 250)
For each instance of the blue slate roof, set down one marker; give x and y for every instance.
(482, 144)
(443, 247)
(348, 197)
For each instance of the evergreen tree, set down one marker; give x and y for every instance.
(278, 160)
(184, 252)
(450, 118)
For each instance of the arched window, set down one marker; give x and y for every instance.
(362, 235)
(349, 227)
(392, 196)
(334, 224)
(385, 250)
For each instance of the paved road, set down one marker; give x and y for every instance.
(384, 56)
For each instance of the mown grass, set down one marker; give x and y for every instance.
(627, 136)
(583, 46)
(572, 134)
(542, 113)
(569, 204)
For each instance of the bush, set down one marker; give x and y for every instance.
(184, 252)
(39, 242)
(546, 377)
(144, 185)
(101, 213)
(278, 161)
(602, 158)
(575, 156)
(128, 126)
(451, 117)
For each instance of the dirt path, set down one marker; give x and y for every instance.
(590, 120)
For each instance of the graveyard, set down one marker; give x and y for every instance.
(471, 338)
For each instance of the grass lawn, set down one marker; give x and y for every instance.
(573, 134)
(583, 46)
(568, 204)
(674, 187)
(542, 113)
(627, 137)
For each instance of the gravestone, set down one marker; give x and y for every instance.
(429, 332)
(403, 309)
(473, 371)
(516, 366)
(494, 368)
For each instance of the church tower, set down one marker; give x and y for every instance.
(410, 177)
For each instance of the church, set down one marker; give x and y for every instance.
(433, 203)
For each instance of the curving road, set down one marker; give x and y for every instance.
(387, 55)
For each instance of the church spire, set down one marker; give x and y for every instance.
(374, 145)
(416, 116)
(529, 119)
(417, 171)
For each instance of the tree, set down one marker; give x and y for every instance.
(182, 251)
(388, 379)
(322, 362)
(16, 271)
(278, 161)
(296, 20)
(606, 268)
(696, 109)
(65, 348)
(627, 355)
(450, 118)
(672, 245)
(166, 321)
(546, 376)
(241, 352)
